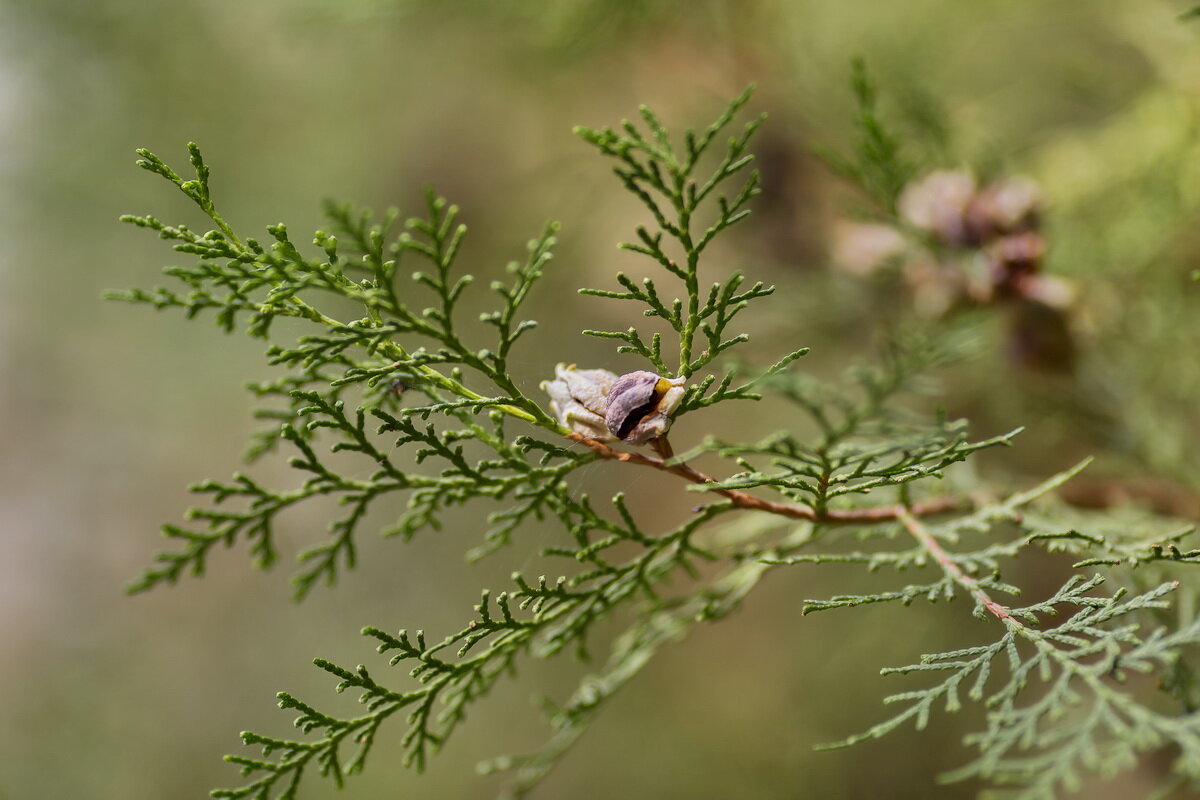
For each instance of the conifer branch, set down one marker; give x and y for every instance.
(418, 408)
(742, 500)
(951, 567)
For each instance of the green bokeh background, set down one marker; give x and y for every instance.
(107, 412)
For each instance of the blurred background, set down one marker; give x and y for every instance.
(108, 412)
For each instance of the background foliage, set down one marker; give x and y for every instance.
(110, 414)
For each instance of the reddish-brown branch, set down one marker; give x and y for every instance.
(748, 501)
(949, 566)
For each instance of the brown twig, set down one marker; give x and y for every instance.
(748, 501)
(949, 566)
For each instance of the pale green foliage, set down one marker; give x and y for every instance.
(877, 164)
(1058, 708)
(1057, 704)
(439, 419)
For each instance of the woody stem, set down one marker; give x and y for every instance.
(742, 500)
(952, 568)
